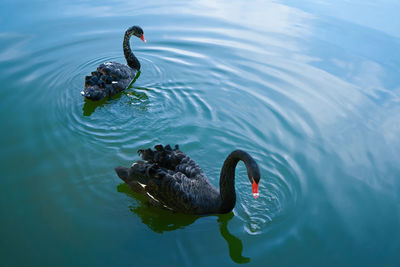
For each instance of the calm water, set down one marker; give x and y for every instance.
(310, 89)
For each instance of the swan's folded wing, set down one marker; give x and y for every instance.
(175, 191)
(172, 189)
(116, 70)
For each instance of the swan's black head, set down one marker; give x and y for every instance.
(137, 31)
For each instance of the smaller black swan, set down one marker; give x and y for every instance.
(111, 78)
(171, 180)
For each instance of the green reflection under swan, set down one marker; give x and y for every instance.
(161, 220)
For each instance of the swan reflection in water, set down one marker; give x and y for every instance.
(160, 220)
(136, 94)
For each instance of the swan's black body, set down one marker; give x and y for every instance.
(111, 78)
(171, 180)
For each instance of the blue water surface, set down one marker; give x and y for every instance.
(309, 88)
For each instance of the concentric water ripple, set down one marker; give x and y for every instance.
(185, 94)
(215, 77)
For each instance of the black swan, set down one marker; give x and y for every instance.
(111, 78)
(171, 180)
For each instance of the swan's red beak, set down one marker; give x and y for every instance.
(254, 187)
(142, 38)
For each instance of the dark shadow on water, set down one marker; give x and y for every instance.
(90, 106)
(139, 98)
(235, 244)
(160, 220)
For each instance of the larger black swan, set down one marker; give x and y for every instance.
(111, 78)
(171, 180)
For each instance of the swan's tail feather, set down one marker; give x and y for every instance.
(141, 176)
(141, 172)
(147, 179)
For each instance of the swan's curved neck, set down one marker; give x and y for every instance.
(227, 178)
(132, 61)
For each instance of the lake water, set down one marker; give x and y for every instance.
(310, 89)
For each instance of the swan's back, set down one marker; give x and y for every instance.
(109, 79)
(172, 180)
